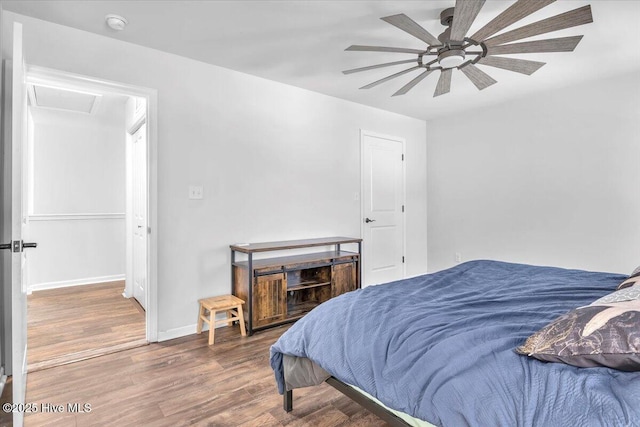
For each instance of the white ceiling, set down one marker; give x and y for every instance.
(302, 43)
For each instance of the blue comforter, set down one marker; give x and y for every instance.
(440, 347)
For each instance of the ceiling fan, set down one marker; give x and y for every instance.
(454, 50)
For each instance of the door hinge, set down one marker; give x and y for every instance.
(403, 259)
(402, 208)
(403, 157)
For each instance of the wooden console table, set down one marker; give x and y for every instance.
(283, 289)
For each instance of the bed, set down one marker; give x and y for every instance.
(439, 349)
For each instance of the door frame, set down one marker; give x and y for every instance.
(50, 77)
(364, 133)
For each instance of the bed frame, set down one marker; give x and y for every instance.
(389, 417)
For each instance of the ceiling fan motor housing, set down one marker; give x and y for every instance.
(445, 37)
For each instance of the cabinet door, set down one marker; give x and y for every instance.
(343, 278)
(269, 299)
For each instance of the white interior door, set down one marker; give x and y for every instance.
(139, 160)
(18, 122)
(382, 208)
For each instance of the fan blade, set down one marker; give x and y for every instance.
(478, 77)
(408, 25)
(392, 76)
(563, 44)
(444, 83)
(406, 88)
(361, 48)
(515, 12)
(522, 66)
(373, 67)
(569, 19)
(464, 14)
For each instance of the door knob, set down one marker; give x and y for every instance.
(17, 246)
(367, 220)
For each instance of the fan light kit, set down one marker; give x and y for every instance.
(116, 22)
(454, 50)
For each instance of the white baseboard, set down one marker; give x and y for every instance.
(176, 333)
(75, 282)
(188, 330)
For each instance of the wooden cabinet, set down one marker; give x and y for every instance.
(282, 289)
(343, 278)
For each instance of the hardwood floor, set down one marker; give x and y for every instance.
(6, 418)
(79, 322)
(186, 382)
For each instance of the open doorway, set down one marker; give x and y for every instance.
(87, 207)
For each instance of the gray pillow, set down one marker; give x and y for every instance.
(606, 334)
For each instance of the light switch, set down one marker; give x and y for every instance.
(196, 192)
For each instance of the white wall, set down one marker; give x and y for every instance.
(78, 203)
(550, 180)
(79, 162)
(276, 162)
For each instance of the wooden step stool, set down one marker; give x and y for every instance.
(229, 303)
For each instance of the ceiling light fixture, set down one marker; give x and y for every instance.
(116, 22)
(451, 58)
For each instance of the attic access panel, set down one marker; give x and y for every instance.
(63, 99)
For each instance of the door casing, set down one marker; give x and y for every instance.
(46, 76)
